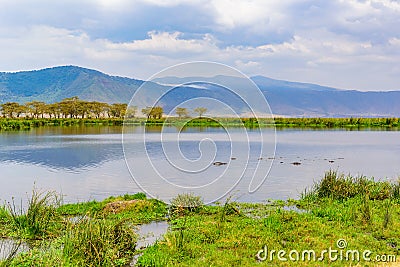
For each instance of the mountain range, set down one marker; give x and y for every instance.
(285, 98)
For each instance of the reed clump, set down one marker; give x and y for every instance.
(39, 219)
(98, 242)
(339, 186)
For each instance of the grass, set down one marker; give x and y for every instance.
(339, 186)
(98, 242)
(26, 124)
(81, 234)
(362, 211)
(40, 219)
(350, 123)
(337, 122)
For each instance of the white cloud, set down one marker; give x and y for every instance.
(394, 41)
(166, 42)
(236, 13)
(343, 43)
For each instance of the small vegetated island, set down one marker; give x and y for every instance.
(74, 111)
(341, 221)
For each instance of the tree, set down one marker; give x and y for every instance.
(131, 112)
(82, 109)
(69, 107)
(182, 112)
(146, 111)
(10, 109)
(118, 110)
(53, 110)
(36, 108)
(200, 111)
(99, 108)
(153, 112)
(157, 112)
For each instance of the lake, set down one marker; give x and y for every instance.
(92, 162)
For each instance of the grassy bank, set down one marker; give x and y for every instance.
(360, 213)
(26, 124)
(338, 122)
(83, 234)
(352, 123)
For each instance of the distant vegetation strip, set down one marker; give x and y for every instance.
(337, 122)
(73, 111)
(313, 123)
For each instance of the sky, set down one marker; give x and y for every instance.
(348, 44)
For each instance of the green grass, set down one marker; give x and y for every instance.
(40, 220)
(93, 233)
(339, 186)
(314, 123)
(337, 122)
(98, 242)
(364, 212)
(26, 124)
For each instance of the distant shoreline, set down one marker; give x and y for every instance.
(313, 123)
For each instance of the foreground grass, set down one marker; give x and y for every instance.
(367, 218)
(361, 213)
(83, 234)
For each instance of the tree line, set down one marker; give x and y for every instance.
(74, 107)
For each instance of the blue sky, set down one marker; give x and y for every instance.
(347, 44)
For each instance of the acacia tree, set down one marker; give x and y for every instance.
(99, 108)
(10, 109)
(157, 112)
(118, 110)
(69, 106)
(153, 112)
(131, 112)
(53, 110)
(36, 108)
(146, 111)
(182, 112)
(200, 111)
(82, 109)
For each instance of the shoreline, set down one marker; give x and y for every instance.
(16, 124)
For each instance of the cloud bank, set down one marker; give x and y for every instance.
(341, 43)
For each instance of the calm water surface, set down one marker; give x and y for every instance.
(86, 163)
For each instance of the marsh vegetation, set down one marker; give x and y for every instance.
(363, 212)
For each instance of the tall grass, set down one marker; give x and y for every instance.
(186, 201)
(3, 214)
(40, 219)
(339, 187)
(27, 123)
(99, 242)
(338, 122)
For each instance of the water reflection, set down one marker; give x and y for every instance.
(62, 149)
(88, 162)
